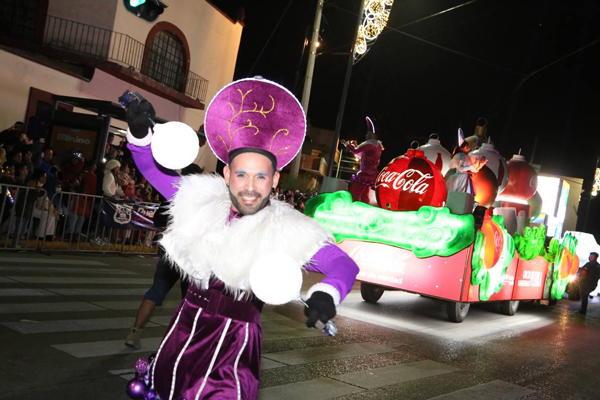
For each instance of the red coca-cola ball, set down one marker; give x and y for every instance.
(486, 186)
(522, 179)
(409, 182)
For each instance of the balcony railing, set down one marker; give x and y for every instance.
(117, 47)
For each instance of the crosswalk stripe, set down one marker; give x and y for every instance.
(275, 330)
(72, 325)
(82, 281)
(375, 378)
(316, 389)
(6, 280)
(69, 270)
(304, 356)
(98, 292)
(63, 261)
(497, 390)
(265, 363)
(14, 292)
(24, 308)
(107, 348)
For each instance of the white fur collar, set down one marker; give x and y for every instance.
(203, 245)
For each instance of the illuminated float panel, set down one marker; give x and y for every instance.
(396, 268)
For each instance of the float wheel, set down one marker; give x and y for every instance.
(457, 311)
(509, 307)
(371, 293)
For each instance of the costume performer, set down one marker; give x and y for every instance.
(369, 153)
(220, 228)
(465, 166)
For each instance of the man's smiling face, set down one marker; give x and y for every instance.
(250, 177)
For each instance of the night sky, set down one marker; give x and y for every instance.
(478, 63)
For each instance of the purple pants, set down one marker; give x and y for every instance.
(212, 349)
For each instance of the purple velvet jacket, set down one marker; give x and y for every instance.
(339, 268)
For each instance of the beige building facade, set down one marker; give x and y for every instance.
(96, 50)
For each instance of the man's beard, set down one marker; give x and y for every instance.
(248, 210)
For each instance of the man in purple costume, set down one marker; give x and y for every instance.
(219, 229)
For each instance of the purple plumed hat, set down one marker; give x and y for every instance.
(255, 114)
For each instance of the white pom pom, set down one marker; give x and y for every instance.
(174, 145)
(276, 278)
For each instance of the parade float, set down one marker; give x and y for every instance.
(421, 240)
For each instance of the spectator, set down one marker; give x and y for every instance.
(72, 169)
(44, 161)
(43, 211)
(12, 133)
(589, 275)
(21, 174)
(126, 182)
(15, 157)
(110, 187)
(24, 204)
(27, 160)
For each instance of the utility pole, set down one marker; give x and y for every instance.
(340, 116)
(310, 67)
(591, 197)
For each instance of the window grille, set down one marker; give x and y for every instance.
(166, 60)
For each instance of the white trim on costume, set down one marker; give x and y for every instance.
(185, 346)
(165, 341)
(237, 360)
(214, 358)
(141, 142)
(327, 288)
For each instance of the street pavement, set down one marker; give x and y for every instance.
(63, 320)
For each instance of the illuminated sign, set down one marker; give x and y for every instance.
(555, 224)
(549, 189)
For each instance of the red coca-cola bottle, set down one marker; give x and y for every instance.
(409, 182)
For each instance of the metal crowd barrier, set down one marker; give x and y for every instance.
(66, 222)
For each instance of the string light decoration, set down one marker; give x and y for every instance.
(596, 186)
(375, 18)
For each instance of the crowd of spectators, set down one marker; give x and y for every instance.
(53, 179)
(295, 198)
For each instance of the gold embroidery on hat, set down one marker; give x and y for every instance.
(285, 133)
(249, 124)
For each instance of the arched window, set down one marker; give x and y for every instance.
(167, 56)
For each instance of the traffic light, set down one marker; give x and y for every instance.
(147, 10)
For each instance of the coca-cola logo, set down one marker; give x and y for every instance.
(410, 180)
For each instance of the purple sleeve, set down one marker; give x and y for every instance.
(160, 178)
(340, 269)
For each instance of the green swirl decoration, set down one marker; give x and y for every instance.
(552, 253)
(559, 285)
(490, 281)
(532, 243)
(430, 231)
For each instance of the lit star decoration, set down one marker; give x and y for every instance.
(430, 231)
(493, 252)
(375, 18)
(531, 243)
(567, 264)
